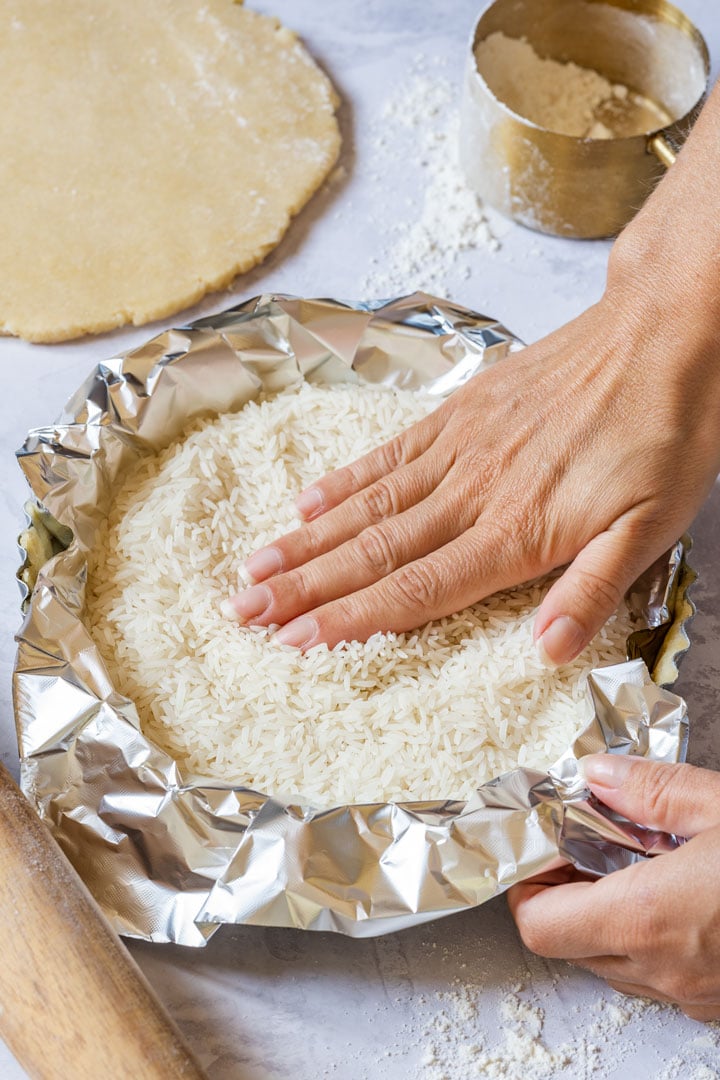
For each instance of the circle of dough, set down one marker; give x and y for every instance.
(149, 152)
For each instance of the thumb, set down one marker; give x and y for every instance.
(588, 593)
(673, 798)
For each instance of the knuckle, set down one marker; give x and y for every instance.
(292, 590)
(336, 620)
(350, 477)
(485, 474)
(416, 587)
(658, 789)
(379, 500)
(512, 524)
(496, 531)
(303, 544)
(325, 534)
(524, 527)
(643, 527)
(376, 550)
(500, 535)
(392, 454)
(599, 591)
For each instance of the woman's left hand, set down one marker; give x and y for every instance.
(652, 929)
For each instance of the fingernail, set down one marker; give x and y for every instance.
(561, 642)
(228, 611)
(298, 633)
(248, 604)
(309, 502)
(263, 564)
(605, 770)
(244, 579)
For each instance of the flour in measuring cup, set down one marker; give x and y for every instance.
(562, 96)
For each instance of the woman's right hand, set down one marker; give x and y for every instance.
(594, 448)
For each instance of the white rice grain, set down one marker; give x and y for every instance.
(423, 715)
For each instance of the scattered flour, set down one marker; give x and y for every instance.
(505, 1014)
(682, 1067)
(456, 1050)
(426, 244)
(459, 1046)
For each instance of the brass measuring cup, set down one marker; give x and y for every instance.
(563, 184)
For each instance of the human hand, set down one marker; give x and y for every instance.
(565, 453)
(594, 447)
(652, 929)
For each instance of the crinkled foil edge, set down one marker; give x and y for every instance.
(171, 857)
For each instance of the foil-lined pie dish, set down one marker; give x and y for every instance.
(171, 857)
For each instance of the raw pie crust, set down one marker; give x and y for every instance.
(149, 152)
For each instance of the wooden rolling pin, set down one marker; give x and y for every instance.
(73, 1004)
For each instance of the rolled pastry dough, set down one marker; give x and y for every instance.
(149, 152)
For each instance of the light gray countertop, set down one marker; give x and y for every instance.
(282, 1004)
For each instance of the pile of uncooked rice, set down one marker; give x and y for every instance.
(420, 715)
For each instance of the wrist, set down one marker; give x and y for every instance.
(661, 314)
(663, 281)
(667, 258)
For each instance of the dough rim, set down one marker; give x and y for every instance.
(28, 322)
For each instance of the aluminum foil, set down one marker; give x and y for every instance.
(170, 857)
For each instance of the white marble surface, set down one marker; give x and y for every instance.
(281, 1004)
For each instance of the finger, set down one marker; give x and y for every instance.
(704, 1013)
(444, 582)
(559, 875)
(624, 974)
(569, 922)
(678, 799)
(628, 976)
(589, 592)
(634, 989)
(337, 486)
(610, 968)
(356, 564)
(383, 499)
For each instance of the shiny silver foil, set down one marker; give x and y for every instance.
(170, 857)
